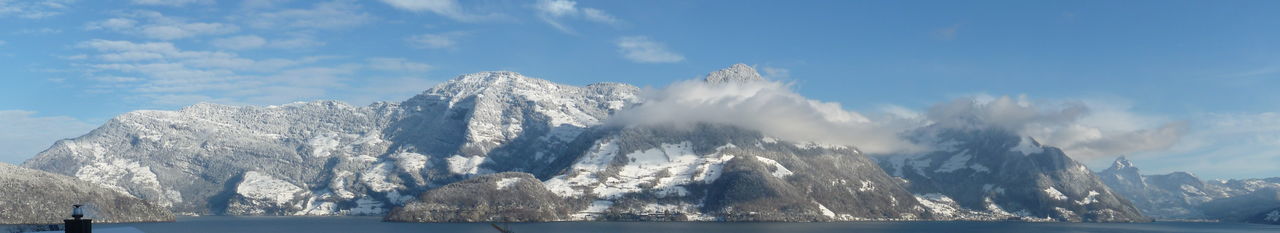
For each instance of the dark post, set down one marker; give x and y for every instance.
(78, 225)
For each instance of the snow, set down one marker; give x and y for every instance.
(118, 173)
(465, 165)
(259, 186)
(1027, 147)
(322, 145)
(825, 211)
(506, 182)
(583, 171)
(1091, 198)
(769, 140)
(665, 168)
(778, 170)
(1054, 194)
(376, 178)
(939, 204)
(410, 162)
(596, 208)
(1064, 212)
(867, 186)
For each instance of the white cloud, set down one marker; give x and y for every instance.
(163, 75)
(776, 73)
(772, 108)
(323, 15)
(1233, 145)
(246, 42)
(947, 33)
(597, 15)
(38, 31)
(24, 134)
(33, 9)
(447, 8)
(553, 11)
(154, 25)
(435, 40)
(1081, 130)
(397, 65)
(643, 50)
(172, 3)
(240, 42)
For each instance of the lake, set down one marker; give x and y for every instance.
(224, 224)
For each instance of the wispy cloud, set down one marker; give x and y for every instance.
(644, 50)
(153, 25)
(322, 15)
(447, 8)
(246, 42)
(162, 74)
(33, 9)
(553, 12)
(397, 65)
(172, 3)
(1239, 144)
(446, 40)
(24, 133)
(947, 33)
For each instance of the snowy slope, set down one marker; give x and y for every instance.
(989, 174)
(330, 157)
(35, 197)
(1182, 195)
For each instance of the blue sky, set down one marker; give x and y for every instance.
(69, 65)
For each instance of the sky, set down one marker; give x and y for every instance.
(1183, 85)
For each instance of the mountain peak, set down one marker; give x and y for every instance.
(1121, 163)
(740, 73)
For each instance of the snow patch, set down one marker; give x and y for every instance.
(1054, 194)
(825, 211)
(323, 145)
(410, 162)
(1027, 147)
(1091, 198)
(778, 170)
(260, 186)
(376, 178)
(506, 182)
(465, 165)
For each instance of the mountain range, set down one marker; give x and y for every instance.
(1182, 195)
(500, 146)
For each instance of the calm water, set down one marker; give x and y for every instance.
(220, 224)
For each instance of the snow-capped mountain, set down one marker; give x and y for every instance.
(35, 197)
(707, 172)
(554, 147)
(989, 174)
(1182, 195)
(326, 157)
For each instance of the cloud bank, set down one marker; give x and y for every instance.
(770, 107)
(1083, 130)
